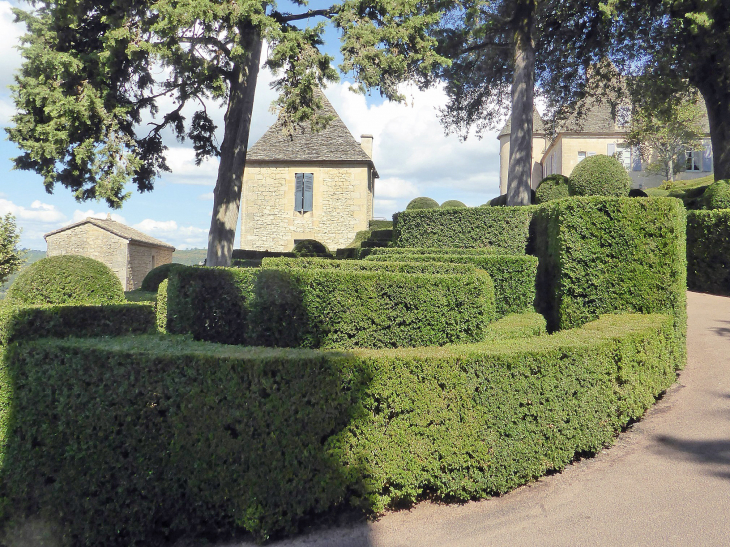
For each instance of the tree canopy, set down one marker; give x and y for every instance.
(11, 258)
(96, 76)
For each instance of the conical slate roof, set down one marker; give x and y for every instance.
(538, 126)
(333, 143)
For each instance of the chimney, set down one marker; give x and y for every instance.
(108, 216)
(366, 141)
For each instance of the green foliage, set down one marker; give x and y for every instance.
(504, 228)
(438, 268)
(196, 439)
(517, 325)
(156, 275)
(422, 203)
(452, 203)
(245, 254)
(717, 195)
(61, 321)
(605, 255)
(513, 276)
(362, 235)
(328, 308)
(139, 295)
(708, 251)
(66, 279)
(380, 225)
(161, 307)
(399, 251)
(310, 247)
(552, 187)
(599, 176)
(11, 258)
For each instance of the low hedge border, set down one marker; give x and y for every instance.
(513, 276)
(183, 438)
(434, 251)
(708, 251)
(369, 266)
(505, 228)
(61, 321)
(328, 308)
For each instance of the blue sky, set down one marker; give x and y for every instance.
(411, 153)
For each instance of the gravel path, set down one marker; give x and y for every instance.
(665, 482)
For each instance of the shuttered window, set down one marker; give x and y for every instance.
(303, 190)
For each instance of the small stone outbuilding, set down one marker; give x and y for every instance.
(309, 185)
(130, 253)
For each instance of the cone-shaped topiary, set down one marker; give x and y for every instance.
(452, 203)
(552, 187)
(157, 275)
(422, 203)
(310, 247)
(717, 195)
(66, 279)
(599, 176)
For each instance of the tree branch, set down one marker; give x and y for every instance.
(288, 17)
(484, 45)
(208, 40)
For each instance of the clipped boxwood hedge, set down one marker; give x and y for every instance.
(513, 276)
(66, 279)
(174, 438)
(599, 175)
(422, 203)
(156, 275)
(328, 308)
(601, 255)
(60, 321)
(552, 187)
(369, 266)
(717, 195)
(505, 228)
(708, 251)
(391, 251)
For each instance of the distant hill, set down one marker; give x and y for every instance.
(30, 257)
(189, 257)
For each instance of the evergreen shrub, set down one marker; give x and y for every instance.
(605, 255)
(66, 279)
(398, 251)
(513, 276)
(717, 195)
(31, 322)
(247, 254)
(437, 268)
(599, 176)
(156, 275)
(328, 308)
(161, 307)
(637, 193)
(552, 187)
(310, 247)
(452, 203)
(422, 203)
(708, 251)
(173, 438)
(504, 228)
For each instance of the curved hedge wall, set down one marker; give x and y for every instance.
(156, 276)
(182, 446)
(328, 308)
(708, 251)
(66, 279)
(717, 195)
(394, 266)
(599, 176)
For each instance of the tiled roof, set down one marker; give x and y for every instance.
(118, 229)
(538, 126)
(333, 143)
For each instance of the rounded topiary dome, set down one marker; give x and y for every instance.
(599, 176)
(552, 187)
(310, 247)
(452, 203)
(66, 279)
(422, 203)
(717, 195)
(155, 276)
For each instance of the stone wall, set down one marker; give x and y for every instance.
(342, 205)
(141, 259)
(93, 242)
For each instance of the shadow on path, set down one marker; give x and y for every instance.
(713, 455)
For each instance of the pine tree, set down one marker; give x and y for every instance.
(10, 257)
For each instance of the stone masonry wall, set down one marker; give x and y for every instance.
(141, 259)
(93, 242)
(342, 205)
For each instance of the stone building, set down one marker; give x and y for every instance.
(128, 252)
(309, 185)
(540, 142)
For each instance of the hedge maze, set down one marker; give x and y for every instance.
(487, 347)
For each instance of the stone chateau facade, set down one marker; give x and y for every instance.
(307, 186)
(129, 253)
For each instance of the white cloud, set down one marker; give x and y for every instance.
(184, 171)
(180, 236)
(10, 33)
(38, 212)
(395, 187)
(79, 215)
(206, 197)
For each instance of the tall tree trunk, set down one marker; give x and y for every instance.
(227, 193)
(523, 92)
(717, 99)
